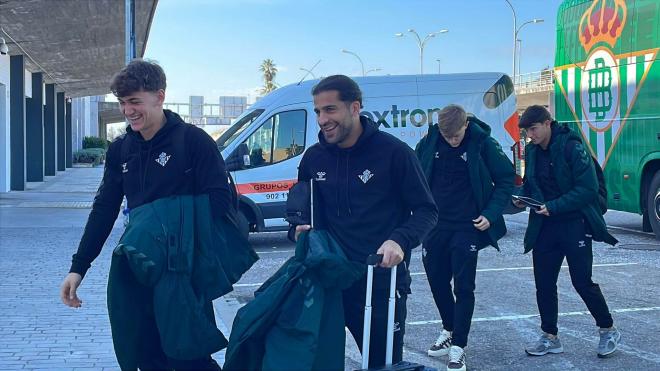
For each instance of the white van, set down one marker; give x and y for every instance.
(264, 147)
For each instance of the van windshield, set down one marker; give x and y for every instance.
(235, 130)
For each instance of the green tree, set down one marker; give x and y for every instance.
(269, 70)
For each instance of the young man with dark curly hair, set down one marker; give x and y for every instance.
(159, 156)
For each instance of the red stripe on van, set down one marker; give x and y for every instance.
(265, 187)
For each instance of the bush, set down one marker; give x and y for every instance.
(92, 156)
(99, 151)
(94, 142)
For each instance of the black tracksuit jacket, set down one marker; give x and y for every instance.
(369, 193)
(151, 170)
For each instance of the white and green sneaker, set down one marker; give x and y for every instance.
(609, 341)
(441, 346)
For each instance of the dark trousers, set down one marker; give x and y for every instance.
(134, 333)
(447, 255)
(354, 300)
(559, 239)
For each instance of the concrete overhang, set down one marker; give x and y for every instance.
(78, 44)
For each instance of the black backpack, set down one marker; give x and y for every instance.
(602, 188)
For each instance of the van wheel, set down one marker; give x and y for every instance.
(653, 204)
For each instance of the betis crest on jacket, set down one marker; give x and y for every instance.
(163, 158)
(601, 89)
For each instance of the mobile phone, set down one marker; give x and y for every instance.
(528, 201)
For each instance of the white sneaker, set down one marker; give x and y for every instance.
(456, 359)
(441, 346)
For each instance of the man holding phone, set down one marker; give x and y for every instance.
(560, 172)
(471, 180)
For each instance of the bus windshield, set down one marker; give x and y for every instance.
(235, 130)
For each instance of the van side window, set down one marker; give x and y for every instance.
(499, 92)
(280, 138)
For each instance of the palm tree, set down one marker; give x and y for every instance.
(270, 71)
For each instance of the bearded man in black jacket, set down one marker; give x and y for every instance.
(159, 156)
(373, 198)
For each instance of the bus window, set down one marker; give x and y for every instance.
(280, 138)
(499, 92)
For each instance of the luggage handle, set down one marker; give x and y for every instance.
(311, 202)
(373, 260)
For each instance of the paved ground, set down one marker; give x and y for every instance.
(40, 229)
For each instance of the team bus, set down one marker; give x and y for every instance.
(264, 147)
(607, 86)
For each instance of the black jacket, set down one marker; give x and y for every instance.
(491, 175)
(577, 181)
(146, 170)
(369, 193)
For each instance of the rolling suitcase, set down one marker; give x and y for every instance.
(372, 261)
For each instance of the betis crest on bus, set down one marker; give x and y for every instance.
(601, 90)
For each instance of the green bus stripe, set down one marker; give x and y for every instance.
(623, 88)
(593, 141)
(578, 95)
(608, 140)
(640, 69)
(564, 84)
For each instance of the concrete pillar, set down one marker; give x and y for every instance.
(34, 131)
(69, 134)
(17, 122)
(50, 155)
(60, 132)
(5, 156)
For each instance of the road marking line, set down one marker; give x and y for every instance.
(527, 316)
(274, 252)
(424, 273)
(248, 284)
(631, 230)
(608, 227)
(531, 268)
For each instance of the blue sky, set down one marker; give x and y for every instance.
(215, 47)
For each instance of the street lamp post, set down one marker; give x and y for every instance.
(535, 20)
(421, 43)
(516, 30)
(372, 70)
(356, 56)
(519, 43)
(438, 60)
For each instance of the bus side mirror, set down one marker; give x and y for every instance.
(239, 159)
